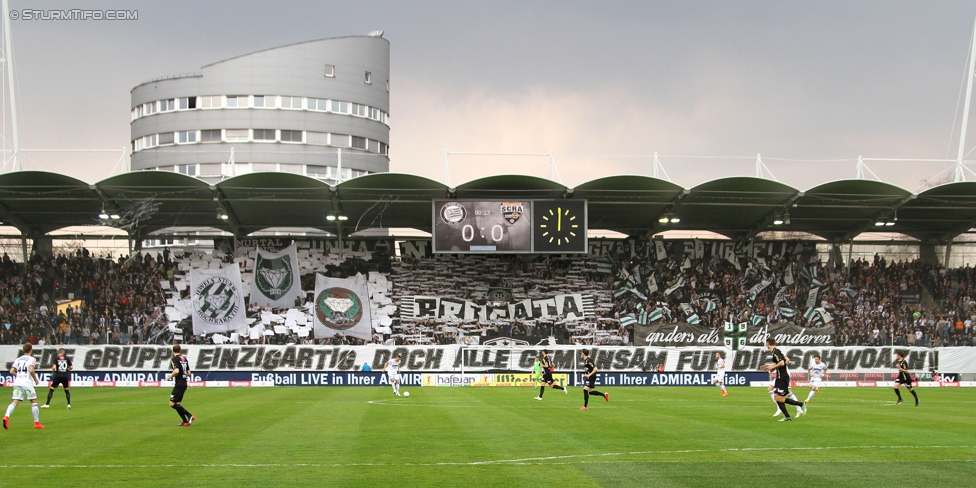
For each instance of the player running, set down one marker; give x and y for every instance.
(547, 368)
(817, 371)
(392, 368)
(62, 376)
(904, 378)
(781, 388)
(23, 369)
(589, 380)
(719, 378)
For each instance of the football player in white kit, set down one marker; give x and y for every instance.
(817, 372)
(719, 378)
(392, 368)
(24, 381)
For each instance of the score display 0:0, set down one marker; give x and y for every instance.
(467, 232)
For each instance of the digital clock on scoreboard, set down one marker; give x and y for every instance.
(482, 227)
(510, 226)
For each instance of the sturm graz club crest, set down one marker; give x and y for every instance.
(273, 277)
(734, 335)
(338, 308)
(215, 300)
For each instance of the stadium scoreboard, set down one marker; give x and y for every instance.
(509, 226)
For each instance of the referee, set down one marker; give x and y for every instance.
(62, 376)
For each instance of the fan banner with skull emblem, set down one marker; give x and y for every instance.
(342, 307)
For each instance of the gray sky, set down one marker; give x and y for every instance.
(604, 85)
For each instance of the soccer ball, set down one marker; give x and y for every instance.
(406, 393)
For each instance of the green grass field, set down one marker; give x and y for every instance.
(361, 436)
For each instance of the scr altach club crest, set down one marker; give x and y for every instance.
(338, 308)
(512, 211)
(453, 213)
(273, 276)
(215, 300)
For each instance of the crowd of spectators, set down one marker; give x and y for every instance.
(79, 298)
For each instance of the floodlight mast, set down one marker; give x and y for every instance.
(960, 165)
(8, 52)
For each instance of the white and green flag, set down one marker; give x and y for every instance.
(276, 278)
(341, 307)
(217, 300)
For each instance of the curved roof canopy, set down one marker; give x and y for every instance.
(38, 202)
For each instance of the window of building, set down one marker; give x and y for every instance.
(330, 71)
(237, 101)
(340, 107)
(236, 135)
(360, 110)
(187, 169)
(210, 170)
(384, 148)
(373, 146)
(186, 103)
(335, 174)
(165, 138)
(340, 140)
(374, 114)
(291, 136)
(358, 142)
(294, 103)
(137, 112)
(318, 104)
(264, 134)
(167, 105)
(265, 101)
(149, 108)
(186, 136)
(290, 168)
(210, 101)
(316, 138)
(369, 78)
(150, 141)
(316, 171)
(264, 167)
(210, 135)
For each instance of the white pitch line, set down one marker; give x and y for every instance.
(530, 460)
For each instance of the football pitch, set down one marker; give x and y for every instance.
(363, 436)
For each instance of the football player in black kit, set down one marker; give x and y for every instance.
(547, 368)
(181, 371)
(781, 387)
(62, 376)
(904, 378)
(589, 381)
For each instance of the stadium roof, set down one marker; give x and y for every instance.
(37, 202)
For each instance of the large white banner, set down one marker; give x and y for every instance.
(276, 278)
(341, 307)
(573, 306)
(446, 359)
(217, 300)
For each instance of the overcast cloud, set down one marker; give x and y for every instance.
(603, 85)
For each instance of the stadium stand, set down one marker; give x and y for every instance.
(83, 299)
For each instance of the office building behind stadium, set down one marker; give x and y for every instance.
(318, 108)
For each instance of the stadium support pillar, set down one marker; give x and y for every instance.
(44, 245)
(948, 253)
(836, 257)
(926, 254)
(23, 243)
(850, 254)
